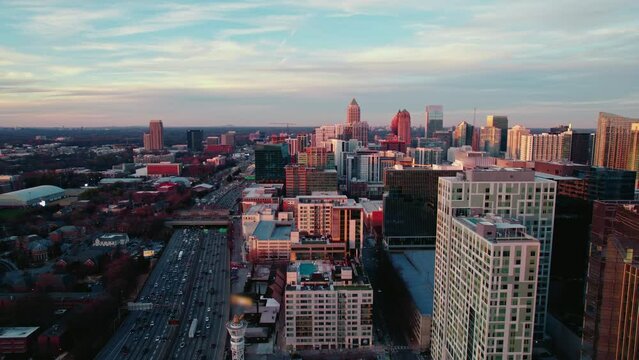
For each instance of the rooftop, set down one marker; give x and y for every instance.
(417, 270)
(272, 230)
(33, 193)
(495, 228)
(16, 332)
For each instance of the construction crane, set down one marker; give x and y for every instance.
(283, 123)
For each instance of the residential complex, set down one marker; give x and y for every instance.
(507, 193)
(327, 307)
(486, 271)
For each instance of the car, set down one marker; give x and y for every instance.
(212, 345)
(182, 344)
(208, 309)
(157, 338)
(208, 326)
(146, 337)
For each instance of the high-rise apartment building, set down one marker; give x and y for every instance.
(410, 205)
(486, 272)
(613, 140)
(434, 119)
(154, 139)
(610, 313)
(270, 160)
(541, 147)
(490, 140)
(327, 307)
(314, 214)
(500, 122)
(508, 193)
(194, 140)
(353, 112)
(463, 134)
(514, 141)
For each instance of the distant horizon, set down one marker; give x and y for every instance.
(541, 63)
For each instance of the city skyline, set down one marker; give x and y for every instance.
(201, 64)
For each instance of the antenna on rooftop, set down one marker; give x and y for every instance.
(474, 115)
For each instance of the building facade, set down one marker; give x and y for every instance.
(434, 119)
(500, 122)
(485, 287)
(154, 139)
(194, 140)
(509, 193)
(610, 323)
(327, 307)
(514, 141)
(270, 160)
(612, 141)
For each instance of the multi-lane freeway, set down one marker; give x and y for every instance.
(189, 284)
(190, 281)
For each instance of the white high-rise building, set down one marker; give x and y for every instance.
(541, 147)
(327, 307)
(485, 287)
(513, 147)
(508, 193)
(342, 149)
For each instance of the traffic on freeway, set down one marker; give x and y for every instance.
(190, 281)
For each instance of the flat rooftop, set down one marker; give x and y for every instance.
(16, 332)
(504, 229)
(417, 270)
(547, 176)
(272, 230)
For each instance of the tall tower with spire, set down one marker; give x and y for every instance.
(353, 112)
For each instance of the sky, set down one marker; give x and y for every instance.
(262, 62)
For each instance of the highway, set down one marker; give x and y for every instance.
(181, 289)
(191, 280)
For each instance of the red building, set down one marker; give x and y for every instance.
(612, 294)
(164, 169)
(218, 149)
(154, 139)
(16, 340)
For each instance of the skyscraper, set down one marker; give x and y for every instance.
(514, 141)
(508, 193)
(485, 285)
(463, 134)
(154, 139)
(610, 320)
(194, 140)
(270, 160)
(410, 205)
(400, 126)
(434, 119)
(353, 112)
(500, 122)
(613, 140)
(490, 140)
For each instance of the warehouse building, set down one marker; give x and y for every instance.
(31, 196)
